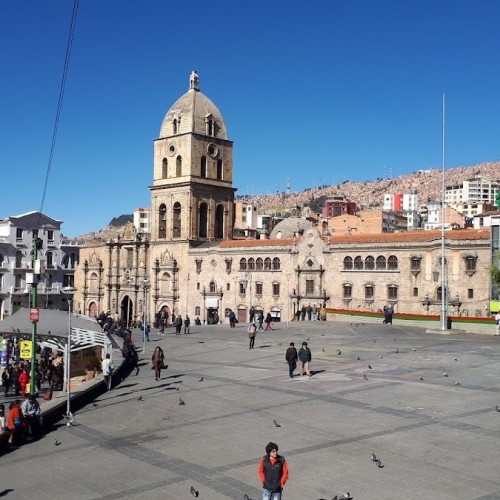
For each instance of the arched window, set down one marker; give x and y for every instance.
(259, 264)
(370, 263)
(175, 126)
(197, 310)
(348, 263)
(267, 264)
(209, 124)
(251, 264)
(203, 169)
(276, 264)
(439, 294)
(358, 263)
(219, 222)
(165, 283)
(380, 262)
(243, 264)
(203, 224)
(212, 287)
(162, 221)
(176, 221)
(220, 171)
(50, 260)
(392, 263)
(164, 169)
(178, 166)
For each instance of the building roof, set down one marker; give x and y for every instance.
(192, 109)
(255, 243)
(290, 227)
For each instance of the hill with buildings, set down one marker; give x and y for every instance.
(426, 184)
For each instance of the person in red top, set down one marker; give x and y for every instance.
(16, 423)
(24, 379)
(273, 473)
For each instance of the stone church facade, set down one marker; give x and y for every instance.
(190, 263)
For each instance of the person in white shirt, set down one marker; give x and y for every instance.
(107, 371)
(497, 319)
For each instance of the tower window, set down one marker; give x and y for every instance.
(178, 166)
(176, 222)
(175, 126)
(162, 221)
(219, 170)
(219, 222)
(202, 231)
(164, 169)
(203, 170)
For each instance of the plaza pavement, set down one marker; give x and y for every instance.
(436, 439)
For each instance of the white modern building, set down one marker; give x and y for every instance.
(53, 269)
(476, 189)
(142, 220)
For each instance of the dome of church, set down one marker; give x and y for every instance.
(291, 227)
(194, 112)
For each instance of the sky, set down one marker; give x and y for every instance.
(314, 92)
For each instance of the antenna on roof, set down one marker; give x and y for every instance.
(288, 187)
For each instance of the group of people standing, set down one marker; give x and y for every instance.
(308, 312)
(303, 357)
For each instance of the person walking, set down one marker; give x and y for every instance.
(497, 319)
(178, 325)
(252, 331)
(273, 473)
(269, 320)
(132, 357)
(157, 359)
(232, 319)
(187, 323)
(260, 319)
(24, 380)
(252, 314)
(291, 357)
(107, 370)
(305, 358)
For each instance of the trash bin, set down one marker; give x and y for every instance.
(448, 323)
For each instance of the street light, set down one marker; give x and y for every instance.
(69, 291)
(145, 286)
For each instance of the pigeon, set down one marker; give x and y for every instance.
(373, 457)
(276, 424)
(339, 352)
(456, 383)
(364, 376)
(95, 405)
(370, 367)
(194, 492)
(397, 350)
(139, 398)
(445, 374)
(497, 408)
(181, 402)
(381, 357)
(378, 463)
(413, 349)
(347, 496)
(359, 359)
(323, 349)
(201, 379)
(246, 497)
(56, 442)
(421, 378)
(308, 338)
(455, 359)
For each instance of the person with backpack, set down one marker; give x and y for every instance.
(252, 330)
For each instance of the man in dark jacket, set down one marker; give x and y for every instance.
(273, 473)
(305, 359)
(291, 358)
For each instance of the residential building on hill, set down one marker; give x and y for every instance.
(477, 189)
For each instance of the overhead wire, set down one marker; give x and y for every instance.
(62, 87)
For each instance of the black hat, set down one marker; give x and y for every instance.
(271, 446)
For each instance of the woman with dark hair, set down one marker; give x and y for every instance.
(157, 359)
(268, 321)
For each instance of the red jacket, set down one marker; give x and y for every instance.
(284, 476)
(24, 379)
(14, 412)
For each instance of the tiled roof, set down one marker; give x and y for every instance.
(412, 236)
(255, 243)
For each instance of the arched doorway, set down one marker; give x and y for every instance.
(126, 311)
(93, 310)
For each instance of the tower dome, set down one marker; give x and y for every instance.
(194, 112)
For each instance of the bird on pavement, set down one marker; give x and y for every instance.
(370, 367)
(373, 457)
(421, 378)
(359, 359)
(339, 352)
(497, 408)
(445, 374)
(456, 383)
(181, 401)
(56, 442)
(139, 398)
(201, 379)
(276, 424)
(194, 492)
(364, 376)
(246, 497)
(413, 349)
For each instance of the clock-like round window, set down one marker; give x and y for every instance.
(212, 150)
(171, 150)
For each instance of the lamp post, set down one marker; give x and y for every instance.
(69, 292)
(145, 286)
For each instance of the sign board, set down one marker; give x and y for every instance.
(212, 303)
(34, 314)
(25, 349)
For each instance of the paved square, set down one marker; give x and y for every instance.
(437, 435)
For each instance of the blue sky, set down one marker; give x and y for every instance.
(316, 92)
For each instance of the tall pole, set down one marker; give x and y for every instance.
(34, 295)
(444, 291)
(69, 291)
(145, 284)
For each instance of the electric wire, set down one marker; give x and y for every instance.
(62, 87)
